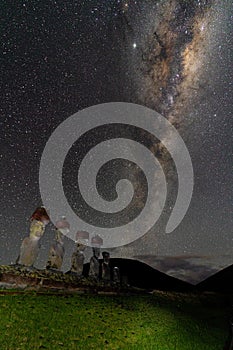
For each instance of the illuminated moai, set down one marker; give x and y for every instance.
(106, 271)
(94, 271)
(30, 246)
(57, 250)
(77, 259)
(116, 275)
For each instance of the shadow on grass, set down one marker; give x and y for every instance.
(160, 321)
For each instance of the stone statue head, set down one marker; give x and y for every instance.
(80, 247)
(37, 229)
(96, 252)
(59, 236)
(106, 256)
(63, 225)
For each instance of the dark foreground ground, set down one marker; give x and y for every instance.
(47, 310)
(161, 320)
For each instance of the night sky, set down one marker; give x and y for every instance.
(172, 56)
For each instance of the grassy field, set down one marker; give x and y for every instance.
(162, 321)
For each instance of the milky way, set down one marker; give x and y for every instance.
(175, 49)
(170, 45)
(168, 61)
(173, 54)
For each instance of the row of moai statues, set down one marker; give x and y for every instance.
(30, 248)
(104, 270)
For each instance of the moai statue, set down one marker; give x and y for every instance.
(30, 246)
(57, 250)
(106, 272)
(116, 275)
(94, 271)
(77, 259)
(94, 264)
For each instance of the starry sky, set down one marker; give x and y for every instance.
(173, 56)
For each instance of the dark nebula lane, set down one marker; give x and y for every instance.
(173, 55)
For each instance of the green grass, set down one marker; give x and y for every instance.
(163, 321)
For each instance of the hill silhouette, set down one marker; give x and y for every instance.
(141, 275)
(219, 282)
(133, 273)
